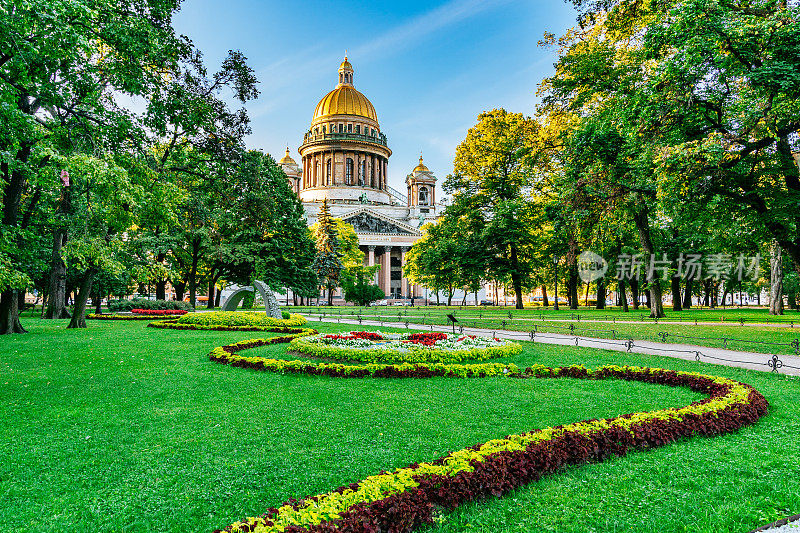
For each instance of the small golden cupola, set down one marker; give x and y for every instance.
(292, 170)
(421, 189)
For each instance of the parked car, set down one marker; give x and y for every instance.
(381, 302)
(487, 302)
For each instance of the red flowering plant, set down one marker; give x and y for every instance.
(427, 339)
(159, 312)
(364, 335)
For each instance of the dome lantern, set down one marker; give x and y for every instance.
(345, 73)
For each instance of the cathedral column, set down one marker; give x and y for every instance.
(387, 273)
(371, 262)
(385, 177)
(403, 280)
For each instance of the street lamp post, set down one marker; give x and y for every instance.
(555, 263)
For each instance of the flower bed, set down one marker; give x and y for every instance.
(232, 321)
(407, 497)
(421, 348)
(159, 312)
(126, 317)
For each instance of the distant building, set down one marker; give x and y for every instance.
(345, 160)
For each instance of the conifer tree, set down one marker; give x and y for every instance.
(328, 262)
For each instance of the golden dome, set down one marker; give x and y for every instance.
(345, 100)
(345, 65)
(421, 167)
(287, 159)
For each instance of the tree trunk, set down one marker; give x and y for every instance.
(676, 294)
(642, 222)
(98, 301)
(634, 283)
(450, 296)
(9, 313)
(687, 294)
(212, 290)
(161, 285)
(516, 276)
(792, 297)
(79, 313)
(545, 302)
(330, 295)
(601, 294)
(725, 294)
(572, 286)
(622, 291)
(180, 290)
(56, 308)
(193, 271)
(776, 280)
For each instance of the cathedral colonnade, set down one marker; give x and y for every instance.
(390, 277)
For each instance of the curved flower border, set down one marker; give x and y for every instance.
(127, 317)
(401, 500)
(292, 324)
(357, 347)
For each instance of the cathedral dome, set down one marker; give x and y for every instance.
(345, 100)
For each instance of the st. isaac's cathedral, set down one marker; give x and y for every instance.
(345, 160)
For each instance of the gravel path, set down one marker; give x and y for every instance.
(787, 364)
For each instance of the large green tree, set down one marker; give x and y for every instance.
(494, 171)
(62, 65)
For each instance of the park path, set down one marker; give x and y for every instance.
(589, 320)
(787, 364)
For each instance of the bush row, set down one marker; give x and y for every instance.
(225, 355)
(125, 317)
(241, 319)
(401, 500)
(159, 312)
(145, 303)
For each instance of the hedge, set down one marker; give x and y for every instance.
(145, 303)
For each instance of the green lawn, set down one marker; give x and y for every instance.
(124, 428)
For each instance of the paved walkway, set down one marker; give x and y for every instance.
(787, 364)
(589, 320)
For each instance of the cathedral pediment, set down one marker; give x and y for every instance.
(367, 221)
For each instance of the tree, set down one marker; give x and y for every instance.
(492, 176)
(360, 291)
(328, 261)
(61, 62)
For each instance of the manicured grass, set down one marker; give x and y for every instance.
(176, 442)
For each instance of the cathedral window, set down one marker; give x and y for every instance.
(358, 129)
(341, 128)
(423, 196)
(348, 176)
(362, 171)
(328, 172)
(349, 128)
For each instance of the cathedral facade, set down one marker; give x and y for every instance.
(344, 159)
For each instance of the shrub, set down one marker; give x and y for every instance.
(143, 303)
(159, 312)
(242, 319)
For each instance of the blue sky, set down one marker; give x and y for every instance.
(429, 68)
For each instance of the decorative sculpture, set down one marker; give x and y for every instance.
(270, 302)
